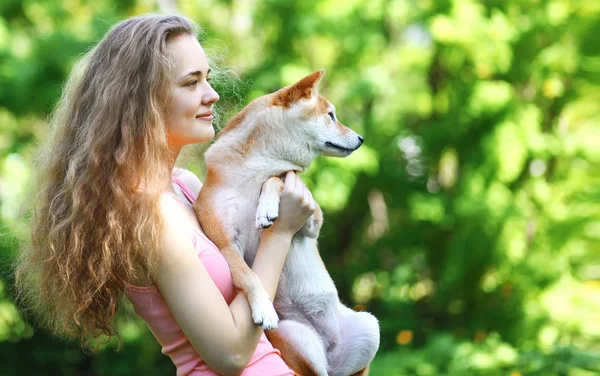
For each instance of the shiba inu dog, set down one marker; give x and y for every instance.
(280, 132)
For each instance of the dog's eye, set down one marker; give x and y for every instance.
(331, 115)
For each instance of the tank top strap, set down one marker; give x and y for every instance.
(187, 192)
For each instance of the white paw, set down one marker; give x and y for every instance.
(266, 213)
(263, 312)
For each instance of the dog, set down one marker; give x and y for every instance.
(279, 132)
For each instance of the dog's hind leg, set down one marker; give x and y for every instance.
(301, 348)
(359, 341)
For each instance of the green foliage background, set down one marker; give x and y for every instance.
(468, 223)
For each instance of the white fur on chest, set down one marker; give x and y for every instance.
(235, 207)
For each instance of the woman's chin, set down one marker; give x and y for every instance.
(205, 136)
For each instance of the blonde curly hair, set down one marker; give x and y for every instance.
(92, 226)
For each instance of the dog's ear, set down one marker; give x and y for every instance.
(303, 89)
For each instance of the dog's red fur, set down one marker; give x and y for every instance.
(289, 355)
(294, 360)
(303, 89)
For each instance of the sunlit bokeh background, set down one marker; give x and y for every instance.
(468, 223)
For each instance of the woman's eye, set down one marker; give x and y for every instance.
(331, 115)
(192, 83)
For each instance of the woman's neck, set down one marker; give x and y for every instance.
(175, 150)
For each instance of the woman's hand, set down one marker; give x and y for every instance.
(295, 206)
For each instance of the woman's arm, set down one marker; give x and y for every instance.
(224, 336)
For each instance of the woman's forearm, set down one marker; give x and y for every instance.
(269, 260)
(268, 264)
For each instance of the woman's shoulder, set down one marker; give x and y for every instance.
(188, 178)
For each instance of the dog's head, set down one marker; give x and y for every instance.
(312, 118)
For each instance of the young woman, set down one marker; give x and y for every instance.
(112, 218)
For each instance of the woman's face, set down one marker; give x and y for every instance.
(189, 115)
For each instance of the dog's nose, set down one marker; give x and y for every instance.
(361, 140)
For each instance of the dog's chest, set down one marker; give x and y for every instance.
(236, 208)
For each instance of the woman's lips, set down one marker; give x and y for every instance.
(208, 116)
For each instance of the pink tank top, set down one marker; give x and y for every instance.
(150, 305)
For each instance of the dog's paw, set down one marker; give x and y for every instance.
(263, 222)
(263, 312)
(266, 213)
(310, 229)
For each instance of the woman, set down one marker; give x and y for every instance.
(110, 217)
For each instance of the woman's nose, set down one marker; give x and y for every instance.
(210, 97)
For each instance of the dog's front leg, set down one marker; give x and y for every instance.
(268, 203)
(268, 209)
(263, 312)
(312, 227)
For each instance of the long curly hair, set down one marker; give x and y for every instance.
(95, 218)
